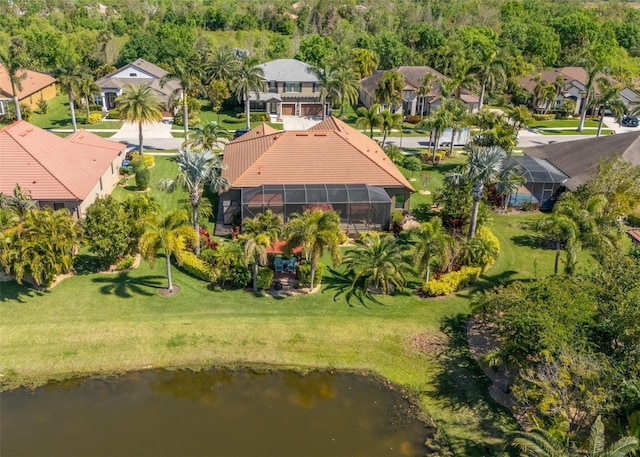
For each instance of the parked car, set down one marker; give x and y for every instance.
(629, 121)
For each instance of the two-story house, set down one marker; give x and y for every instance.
(413, 101)
(137, 73)
(293, 90)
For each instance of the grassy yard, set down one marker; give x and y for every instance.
(59, 117)
(111, 323)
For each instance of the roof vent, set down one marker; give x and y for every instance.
(302, 134)
(319, 134)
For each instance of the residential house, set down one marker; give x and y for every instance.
(59, 172)
(293, 90)
(137, 73)
(34, 86)
(329, 166)
(575, 80)
(413, 103)
(553, 168)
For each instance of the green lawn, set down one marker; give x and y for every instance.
(111, 323)
(59, 117)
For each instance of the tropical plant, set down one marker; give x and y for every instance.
(509, 181)
(394, 153)
(592, 68)
(195, 170)
(169, 232)
(141, 105)
(608, 99)
(257, 235)
(222, 65)
(107, 230)
(315, 232)
(458, 116)
(369, 118)
(248, 78)
(189, 76)
(69, 75)
(14, 59)
(87, 87)
(436, 123)
(521, 117)
(377, 261)
(490, 69)
(206, 137)
(426, 89)
(347, 85)
(389, 122)
(389, 90)
(563, 232)
(430, 245)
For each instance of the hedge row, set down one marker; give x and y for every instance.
(451, 282)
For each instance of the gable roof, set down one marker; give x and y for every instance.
(579, 159)
(51, 167)
(329, 153)
(288, 70)
(33, 82)
(413, 80)
(112, 81)
(571, 75)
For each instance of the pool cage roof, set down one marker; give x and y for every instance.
(313, 195)
(537, 170)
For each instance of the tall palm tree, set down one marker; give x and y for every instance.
(562, 231)
(592, 68)
(189, 77)
(461, 77)
(431, 245)
(436, 123)
(389, 90)
(69, 75)
(426, 89)
(609, 99)
(195, 170)
(222, 65)
(315, 232)
(329, 88)
(365, 62)
(249, 78)
(87, 87)
(490, 69)
(458, 118)
(389, 121)
(169, 232)
(377, 261)
(348, 87)
(483, 167)
(509, 181)
(141, 105)
(257, 235)
(14, 59)
(369, 118)
(206, 137)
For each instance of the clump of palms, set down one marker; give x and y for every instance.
(430, 247)
(369, 118)
(388, 122)
(141, 105)
(206, 137)
(257, 235)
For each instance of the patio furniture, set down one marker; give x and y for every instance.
(278, 264)
(292, 264)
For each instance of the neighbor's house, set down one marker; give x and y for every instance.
(554, 168)
(35, 86)
(575, 80)
(330, 166)
(58, 172)
(137, 73)
(412, 102)
(293, 89)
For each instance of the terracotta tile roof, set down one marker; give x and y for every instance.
(34, 82)
(53, 168)
(579, 159)
(634, 233)
(330, 153)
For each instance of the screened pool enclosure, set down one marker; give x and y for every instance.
(359, 205)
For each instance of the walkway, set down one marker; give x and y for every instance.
(156, 135)
(300, 122)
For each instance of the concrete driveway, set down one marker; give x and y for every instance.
(299, 122)
(156, 135)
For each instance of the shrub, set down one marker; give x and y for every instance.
(633, 220)
(240, 276)
(304, 273)
(413, 119)
(125, 171)
(259, 117)
(265, 278)
(142, 178)
(196, 267)
(397, 220)
(544, 117)
(94, 118)
(43, 106)
(451, 282)
(125, 263)
(526, 205)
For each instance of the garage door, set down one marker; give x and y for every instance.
(288, 109)
(311, 110)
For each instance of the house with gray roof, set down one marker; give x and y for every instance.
(414, 103)
(293, 90)
(137, 73)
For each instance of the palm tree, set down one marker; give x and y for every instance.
(69, 75)
(257, 235)
(484, 165)
(87, 88)
(365, 62)
(458, 118)
(141, 105)
(369, 118)
(206, 137)
(315, 232)
(389, 90)
(329, 88)
(348, 87)
(389, 122)
(249, 78)
(461, 77)
(436, 123)
(169, 232)
(195, 170)
(609, 99)
(596, 446)
(592, 68)
(430, 245)
(189, 78)
(14, 59)
(222, 65)
(490, 69)
(377, 261)
(509, 182)
(426, 89)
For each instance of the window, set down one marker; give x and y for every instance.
(400, 199)
(316, 87)
(57, 206)
(293, 87)
(2, 107)
(133, 75)
(100, 183)
(273, 86)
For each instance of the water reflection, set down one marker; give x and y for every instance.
(211, 413)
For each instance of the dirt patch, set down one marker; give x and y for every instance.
(428, 343)
(165, 292)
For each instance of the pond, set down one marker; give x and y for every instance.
(212, 413)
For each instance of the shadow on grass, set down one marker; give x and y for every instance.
(84, 264)
(528, 241)
(125, 286)
(12, 291)
(462, 384)
(341, 283)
